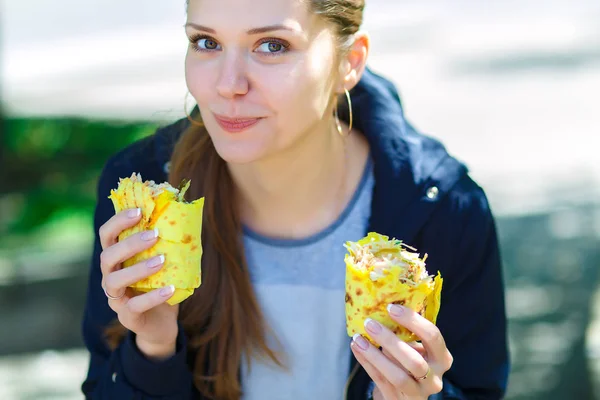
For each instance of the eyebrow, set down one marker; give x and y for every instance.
(253, 31)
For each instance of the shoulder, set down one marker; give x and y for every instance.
(443, 183)
(460, 234)
(466, 200)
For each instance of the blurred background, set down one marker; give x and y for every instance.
(511, 87)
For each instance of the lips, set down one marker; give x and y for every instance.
(234, 125)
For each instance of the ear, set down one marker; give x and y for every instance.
(354, 63)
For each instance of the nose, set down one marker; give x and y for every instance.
(232, 79)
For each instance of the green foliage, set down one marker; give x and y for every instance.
(49, 169)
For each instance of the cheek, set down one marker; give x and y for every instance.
(199, 78)
(301, 92)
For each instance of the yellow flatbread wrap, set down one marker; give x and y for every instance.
(179, 227)
(380, 271)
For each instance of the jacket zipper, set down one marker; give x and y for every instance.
(349, 380)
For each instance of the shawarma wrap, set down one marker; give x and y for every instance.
(380, 271)
(179, 225)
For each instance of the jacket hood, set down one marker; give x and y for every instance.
(413, 172)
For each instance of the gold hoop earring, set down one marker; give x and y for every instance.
(189, 117)
(337, 118)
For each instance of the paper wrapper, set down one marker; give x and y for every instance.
(179, 234)
(368, 298)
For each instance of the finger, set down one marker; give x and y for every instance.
(432, 382)
(116, 282)
(109, 232)
(142, 303)
(430, 335)
(126, 249)
(391, 357)
(385, 387)
(411, 361)
(117, 305)
(419, 348)
(395, 375)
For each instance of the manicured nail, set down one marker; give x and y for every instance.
(360, 341)
(136, 212)
(150, 235)
(167, 290)
(155, 262)
(372, 326)
(395, 309)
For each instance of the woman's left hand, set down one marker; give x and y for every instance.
(404, 370)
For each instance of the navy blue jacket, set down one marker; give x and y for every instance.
(422, 195)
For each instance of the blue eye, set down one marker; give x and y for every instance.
(203, 44)
(272, 47)
(208, 44)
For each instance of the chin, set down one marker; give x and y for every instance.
(239, 153)
(244, 147)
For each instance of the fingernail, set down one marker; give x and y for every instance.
(395, 309)
(360, 341)
(155, 262)
(150, 235)
(167, 290)
(134, 213)
(372, 326)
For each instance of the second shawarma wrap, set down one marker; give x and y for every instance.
(380, 271)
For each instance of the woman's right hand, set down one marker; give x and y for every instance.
(147, 315)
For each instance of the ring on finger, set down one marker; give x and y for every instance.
(112, 297)
(422, 378)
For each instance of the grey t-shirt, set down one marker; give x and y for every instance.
(300, 285)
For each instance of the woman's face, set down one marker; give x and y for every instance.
(261, 72)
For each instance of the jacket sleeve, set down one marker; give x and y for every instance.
(472, 316)
(124, 373)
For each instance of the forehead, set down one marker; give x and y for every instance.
(248, 14)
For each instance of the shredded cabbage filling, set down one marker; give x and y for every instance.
(157, 189)
(379, 256)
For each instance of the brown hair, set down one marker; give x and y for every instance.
(222, 319)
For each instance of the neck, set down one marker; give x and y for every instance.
(298, 191)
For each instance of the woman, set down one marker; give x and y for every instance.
(288, 180)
